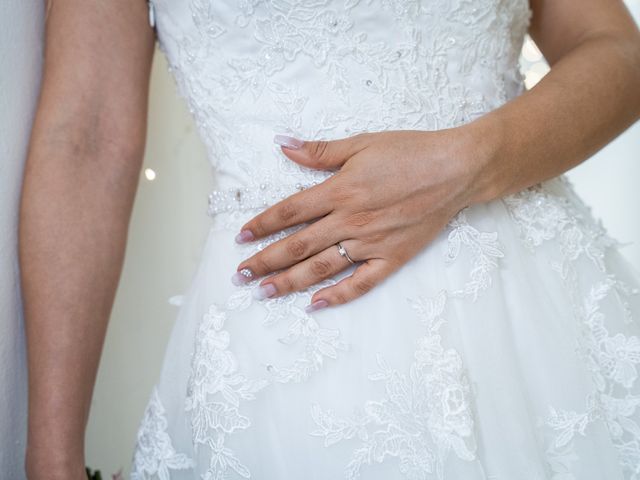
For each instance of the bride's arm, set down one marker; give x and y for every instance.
(590, 95)
(80, 179)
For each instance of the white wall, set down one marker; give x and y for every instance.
(167, 231)
(21, 33)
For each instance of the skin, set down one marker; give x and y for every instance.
(396, 190)
(91, 119)
(80, 180)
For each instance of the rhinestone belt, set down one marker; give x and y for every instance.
(252, 197)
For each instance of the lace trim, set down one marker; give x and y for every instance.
(154, 453)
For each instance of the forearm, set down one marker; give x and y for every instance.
(73, 225)
(589, 97)
(79, 184)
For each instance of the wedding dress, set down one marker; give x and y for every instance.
(507, 349)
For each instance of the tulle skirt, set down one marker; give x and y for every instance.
(507, 349)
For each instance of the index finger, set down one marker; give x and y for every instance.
(302, 206)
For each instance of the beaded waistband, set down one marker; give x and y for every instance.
(258, 196)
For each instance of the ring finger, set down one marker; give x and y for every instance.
(314, 269)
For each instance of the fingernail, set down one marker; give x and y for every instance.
(264, 291)
(244, 236)
(288, 142)
(242, 276)
(317, 305)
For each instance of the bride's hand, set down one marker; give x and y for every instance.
(393, 193)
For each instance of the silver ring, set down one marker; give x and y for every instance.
(342, 251)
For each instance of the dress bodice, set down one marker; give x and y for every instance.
(326, 69)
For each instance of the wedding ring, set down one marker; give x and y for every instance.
(342, 251)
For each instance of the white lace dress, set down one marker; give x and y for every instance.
(507, 349)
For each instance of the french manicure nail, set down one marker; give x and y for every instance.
(264, 291)
(317, 305)
(241, 277)
(244, 236)
(288, 142)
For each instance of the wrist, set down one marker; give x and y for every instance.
(48, 466)
(484, 140)
(53, 458)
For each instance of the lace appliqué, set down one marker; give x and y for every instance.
(426, 414)
(365, 82)
(214, 393)
(611, 358)
(216, 388)
(155, 455)
(315, 342)
(486, 250)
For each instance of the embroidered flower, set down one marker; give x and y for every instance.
(154, 453)
(612, 359)
(426, 413)
(214, 393)
(620, 357)
(485, 248)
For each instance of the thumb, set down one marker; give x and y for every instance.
(321, 154)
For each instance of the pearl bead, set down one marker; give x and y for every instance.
(247, 198)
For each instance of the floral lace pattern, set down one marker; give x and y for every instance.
(154, 453)
(243, 68)
(426, 415)
(216, 388)
(303, 332)
(611, 358)
(214, 393)
(485, 247)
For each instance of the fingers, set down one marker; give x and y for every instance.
(312, 202)
(314, 269)
(322, 154)
(300, 207)
(367, 275)
(290, 250)
(324, 265)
